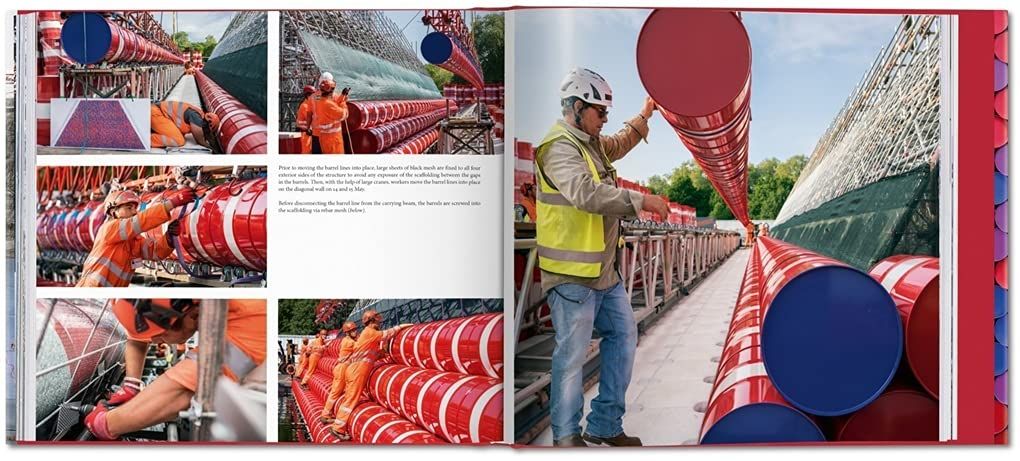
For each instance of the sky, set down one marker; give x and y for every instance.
(197, 25)
(803, 68)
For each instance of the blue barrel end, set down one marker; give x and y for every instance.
(1001, 188)
(1001, 362)
(763, 423)
(436, 48)
(85, 37)
(1000, 301)
(1001, 330)
(831, 340)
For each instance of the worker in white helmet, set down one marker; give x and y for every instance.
(579, 208)
(329, 111)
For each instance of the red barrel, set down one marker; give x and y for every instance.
(380, 137)
(416, 144)
(708, 108)
(366, 114)
(831, 335)
(290, 143)
(372, 424)
(228, 226)
(900, 414)
(468, 345)
(744, 406)
(82, 33)
(449, 53)
(456, 407)
(241, 131)
(310, 406)
(913, 282)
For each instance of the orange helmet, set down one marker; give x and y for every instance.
(120, 197)
(369, 316)
(145, 319)
(308, 89)
(212, 119)
(349, 327)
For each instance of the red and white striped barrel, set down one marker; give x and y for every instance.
(290, 143)
(469, 345)
(228, 227)
(47, 88)
(49, 42)
(459, 408)
(367, 114)
(372, 424)
(913, 282)
(416, 144)
(241, 131)
(310, 406)
(89, 223)
(380, 137)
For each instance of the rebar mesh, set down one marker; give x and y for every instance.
(246, 29)
(888, 126)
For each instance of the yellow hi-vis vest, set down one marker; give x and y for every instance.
(570, 241)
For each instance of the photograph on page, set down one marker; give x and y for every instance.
(726, 227)
(151, 226)
(150, 370)
(391, 82)
(391, 371)
(161, 82)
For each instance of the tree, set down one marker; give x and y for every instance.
(207, 46)
(489, 43)
(441, 76)
(181, 40)
(297, 316)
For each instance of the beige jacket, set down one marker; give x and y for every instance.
(566, 169)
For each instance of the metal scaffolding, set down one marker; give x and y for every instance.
(888, 126)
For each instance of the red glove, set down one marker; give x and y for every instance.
(95, 421)
(181, 197)
(128, 390)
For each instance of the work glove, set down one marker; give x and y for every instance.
(95, 421)
(346, 91)
(128, 390)
(181, 197)
(308, 131)
(173, 229)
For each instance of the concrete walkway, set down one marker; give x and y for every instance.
(674, 357)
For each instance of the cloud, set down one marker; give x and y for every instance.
(798, 38)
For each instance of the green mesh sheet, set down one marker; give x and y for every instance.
(369, 77)
(897, 215)
(243, 74)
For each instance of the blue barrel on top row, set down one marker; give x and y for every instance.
(444, 51)
(832, 337)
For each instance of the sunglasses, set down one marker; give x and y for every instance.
(603, 112)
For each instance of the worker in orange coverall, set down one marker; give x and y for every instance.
(315, 349)
(120, 239)
(302, 358)
(329, 111)
(174, 321)
(304, 120)
(350, 331)
(172, 120)
(367, 351)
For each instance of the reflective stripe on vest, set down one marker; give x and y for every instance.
(234, 359)
(110, 266)
(570, 241)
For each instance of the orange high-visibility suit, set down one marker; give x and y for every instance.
(315, 353)
(346, 349)
(245, 347)
(367, 350)
(328, 115)
(118, 242)
(169, 124)
(302, 360)
(304, 122)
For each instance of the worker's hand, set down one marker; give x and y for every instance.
(181, 197)
(95, 421)
(649, 107)
(174, 228)
(308, 131)
(656, 205)
(128, 390)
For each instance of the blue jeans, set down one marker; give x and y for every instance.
(576, 311)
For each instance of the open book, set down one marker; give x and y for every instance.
(528, 227)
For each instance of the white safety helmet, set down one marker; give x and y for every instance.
(587, 86)
(325, 77)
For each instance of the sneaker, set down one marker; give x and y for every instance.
(573, 440)
(622, 440)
